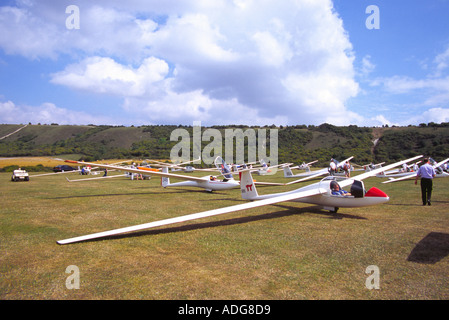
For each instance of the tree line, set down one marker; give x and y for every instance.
(297, 144)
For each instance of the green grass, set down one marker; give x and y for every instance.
(285, 251)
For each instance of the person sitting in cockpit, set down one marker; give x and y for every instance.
(337, 191)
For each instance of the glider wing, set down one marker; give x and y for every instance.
(376, 171)
(141, 170)
(413, 174)
(194, 216)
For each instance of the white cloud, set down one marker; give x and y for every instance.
(442, 62)
(26, 34)
(367, 65)
(408, 99)
(405, 84)
(190, 39)
(194, 106)
(37, 29)
(274, 45)
(436, 115)
(288, 61)
(104, 75)
(326, 100)
(7, 111)
(380, 120)
(47, 113)
(435, 83)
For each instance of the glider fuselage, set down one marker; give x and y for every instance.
(207, 184)
(325, 197)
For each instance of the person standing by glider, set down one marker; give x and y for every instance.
(426, 172)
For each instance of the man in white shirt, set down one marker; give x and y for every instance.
(333, 167)
(426, 172)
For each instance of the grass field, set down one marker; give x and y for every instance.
(287, 251)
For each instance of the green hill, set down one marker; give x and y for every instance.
(295, 143)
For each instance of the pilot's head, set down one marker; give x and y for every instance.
(334, 185)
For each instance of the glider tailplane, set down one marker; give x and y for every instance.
(247, 186)
(165, 181)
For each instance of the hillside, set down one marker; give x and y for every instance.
(296, 143)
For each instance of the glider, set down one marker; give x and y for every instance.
(372, 166)
(200, 182)
(209, 183)
(439, 172)
(265, 169)
(79, 170)
(401, 172)
(55, 173)
(288, 173)
(305, 166)
(311, 174)
(179, 166)
(97, 178)
(317, 193)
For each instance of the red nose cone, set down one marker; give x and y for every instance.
(374, 192)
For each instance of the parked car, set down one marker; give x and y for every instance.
(63, 167)
(20, 174)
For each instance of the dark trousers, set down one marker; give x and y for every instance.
(426, 190)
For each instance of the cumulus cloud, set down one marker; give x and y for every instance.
(442, 62)
(436, 115)
(25, 34)
(47, 113)
(367, 66)
(404, 84)
(235, 61)
(104, 75)
(427, 96)
(380, 120)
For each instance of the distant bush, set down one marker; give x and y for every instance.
(37, 168)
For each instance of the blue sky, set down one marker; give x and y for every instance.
(224, 62)
(409, 54)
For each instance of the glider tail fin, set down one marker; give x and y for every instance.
(223, 167)
(287, 172)
(165, 181)
(247, 186)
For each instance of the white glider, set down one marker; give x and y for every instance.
(317, 193)
(201, 182)
(97, 178)
(310, 174)
(304, 166)
(409, 175)
(180, 166)
(208, 183)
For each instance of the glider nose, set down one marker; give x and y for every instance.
(374, 192)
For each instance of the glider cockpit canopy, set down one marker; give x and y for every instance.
(330, 183)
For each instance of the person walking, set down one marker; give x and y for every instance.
(332, 167)
(426, 172)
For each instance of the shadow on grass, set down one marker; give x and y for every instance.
(404, 204)
(417, 204)
(234, 221)
(431, 249)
